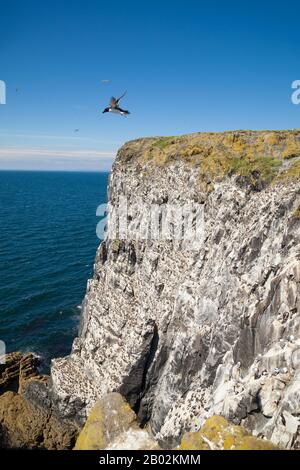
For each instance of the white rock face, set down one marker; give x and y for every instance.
(133, 439)
(184, 334)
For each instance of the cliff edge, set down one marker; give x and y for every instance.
(185, 333)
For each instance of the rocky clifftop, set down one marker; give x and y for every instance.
(185, 333)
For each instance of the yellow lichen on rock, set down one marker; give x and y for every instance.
(254, 443)
(92, 436)
(193, 441)
(296, 213)
(219, 434)
(218, 430)
(109, 418)
(113, 425)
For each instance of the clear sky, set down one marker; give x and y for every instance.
(187, 66)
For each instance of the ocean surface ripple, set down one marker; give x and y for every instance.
(47, 248)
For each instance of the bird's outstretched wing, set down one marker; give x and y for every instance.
(119, 99)
(115, 101)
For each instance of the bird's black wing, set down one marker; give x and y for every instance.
(119, 99)
(113, 102)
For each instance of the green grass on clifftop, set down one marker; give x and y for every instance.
(264, 155)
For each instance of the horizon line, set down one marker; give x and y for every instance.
(12, 170)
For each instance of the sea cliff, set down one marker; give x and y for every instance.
(184, 334)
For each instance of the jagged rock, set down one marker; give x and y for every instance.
(112, 424)
(25, 426)
(27, 418)
(218, 434)
(223, 334)
(16, 370)
(9, 371)
(29, 371)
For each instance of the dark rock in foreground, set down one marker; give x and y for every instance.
(27, 417)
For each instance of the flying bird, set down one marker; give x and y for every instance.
(114, 106)
(105, 81)
(76, 130)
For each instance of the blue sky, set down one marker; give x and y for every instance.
(187, 66)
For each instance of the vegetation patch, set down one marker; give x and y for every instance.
(257, 157)
(163, 142)
(265, 166)
(219, 165)
(291, 174)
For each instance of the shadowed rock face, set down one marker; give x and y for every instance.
(189, 333)
(26, 426)
(27, 419)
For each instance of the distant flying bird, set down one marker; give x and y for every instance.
(76, 130)
(114, 106)
(105, 81)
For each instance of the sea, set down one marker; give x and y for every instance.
(48, 244)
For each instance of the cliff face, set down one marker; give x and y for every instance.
(185, 333)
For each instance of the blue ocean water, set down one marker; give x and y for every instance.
(48, 243)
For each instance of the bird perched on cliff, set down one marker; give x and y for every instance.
(114, 106)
